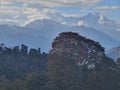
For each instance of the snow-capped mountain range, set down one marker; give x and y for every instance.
(40, 33)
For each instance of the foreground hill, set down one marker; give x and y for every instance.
(76, 62)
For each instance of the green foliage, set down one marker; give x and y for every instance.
(21, 69)
(63, 72)
(17, 62)
(65, 75)
(35, 81)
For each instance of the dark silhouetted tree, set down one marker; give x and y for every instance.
(15, 50)
(24, 49)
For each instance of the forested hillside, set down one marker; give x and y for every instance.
(78, 63)
(74, 63)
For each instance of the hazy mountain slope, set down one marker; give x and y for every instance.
(40, 33)
(103, 24)
(46, 26)
(98, 36)
(114, 53)
(93, 20)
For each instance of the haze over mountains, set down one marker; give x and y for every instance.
(114, 53)
(40, 33)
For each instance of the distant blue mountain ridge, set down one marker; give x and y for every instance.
(40, 33)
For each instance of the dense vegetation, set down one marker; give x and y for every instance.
(20, 67)
(65, 75)
(86, 68)
(77, 63)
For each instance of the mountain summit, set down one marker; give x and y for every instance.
(81, 49)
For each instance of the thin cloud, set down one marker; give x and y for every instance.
(83, 10)
(108, 8)
(25, 10)
(55, 2)
(25, 13)
(7, 12)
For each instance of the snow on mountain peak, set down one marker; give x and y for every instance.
(101, 20)
(40, 22)
(96, 17)
(81, 23)
(118, 29)
(64, 23)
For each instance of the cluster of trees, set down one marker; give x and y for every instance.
(19, 51)
(65, 75)
(18, 61)
(33, 81)
(22, 68)
(79, 37)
